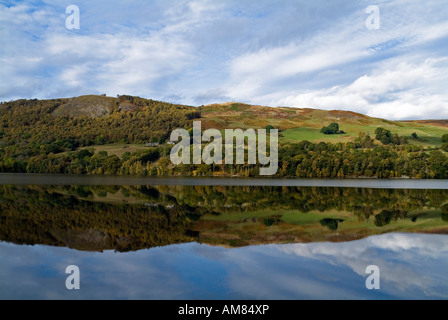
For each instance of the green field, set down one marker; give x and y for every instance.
(117, 149)
(314, 135)
(429, 136)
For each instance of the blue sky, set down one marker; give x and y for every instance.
(278, 53)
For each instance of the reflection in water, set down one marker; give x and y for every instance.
(413, 266)
(189, 230)
(130, 218)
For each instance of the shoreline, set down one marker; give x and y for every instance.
(374, 183)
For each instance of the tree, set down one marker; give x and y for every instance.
(383, 135)
(85, 153)
(445, 138)
(325, 130)
(112, 164)
(334, 127)
(331, 129)
(438, 164)
(364, 141)
(444, 147)
(150, 156)
(99, 140)
(399, 140)
(269, 128)
(414, 136)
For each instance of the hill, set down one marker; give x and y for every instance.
(136, 120)
(249, 116)
(299, 124)
(104, 135)
(91, 120)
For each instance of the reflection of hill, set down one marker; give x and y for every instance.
(128, 218)
(36, 216)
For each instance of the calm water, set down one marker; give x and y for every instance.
(222, 238)
(46, 179)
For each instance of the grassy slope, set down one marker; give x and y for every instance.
(118, 149)
(305, 124)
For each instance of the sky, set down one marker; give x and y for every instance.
(294, 53)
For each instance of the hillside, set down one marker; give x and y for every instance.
(137, 120)
(92, 106)
(104, 135)
(304, 124)
(248, 116)
(91, 120)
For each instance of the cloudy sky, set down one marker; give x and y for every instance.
(298, 53)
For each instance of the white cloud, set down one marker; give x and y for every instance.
(396, 91)
(119, 63)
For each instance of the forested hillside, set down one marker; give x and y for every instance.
(104, 135)
(34, 131)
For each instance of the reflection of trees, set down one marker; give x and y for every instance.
(383, 218)
(332, 224)
(386, 216)
(445, 213)
(127, 218)
(364, 203)
(37, 215)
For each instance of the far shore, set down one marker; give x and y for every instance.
(375, 183)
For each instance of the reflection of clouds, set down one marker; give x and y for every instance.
(399, 242)
(210, 252)
(296, 283)
(267, 273)
(103, 275)
(412, 266)
(407, 261)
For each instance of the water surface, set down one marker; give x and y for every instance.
(176, 238)
(412, 267)
(48, 179)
